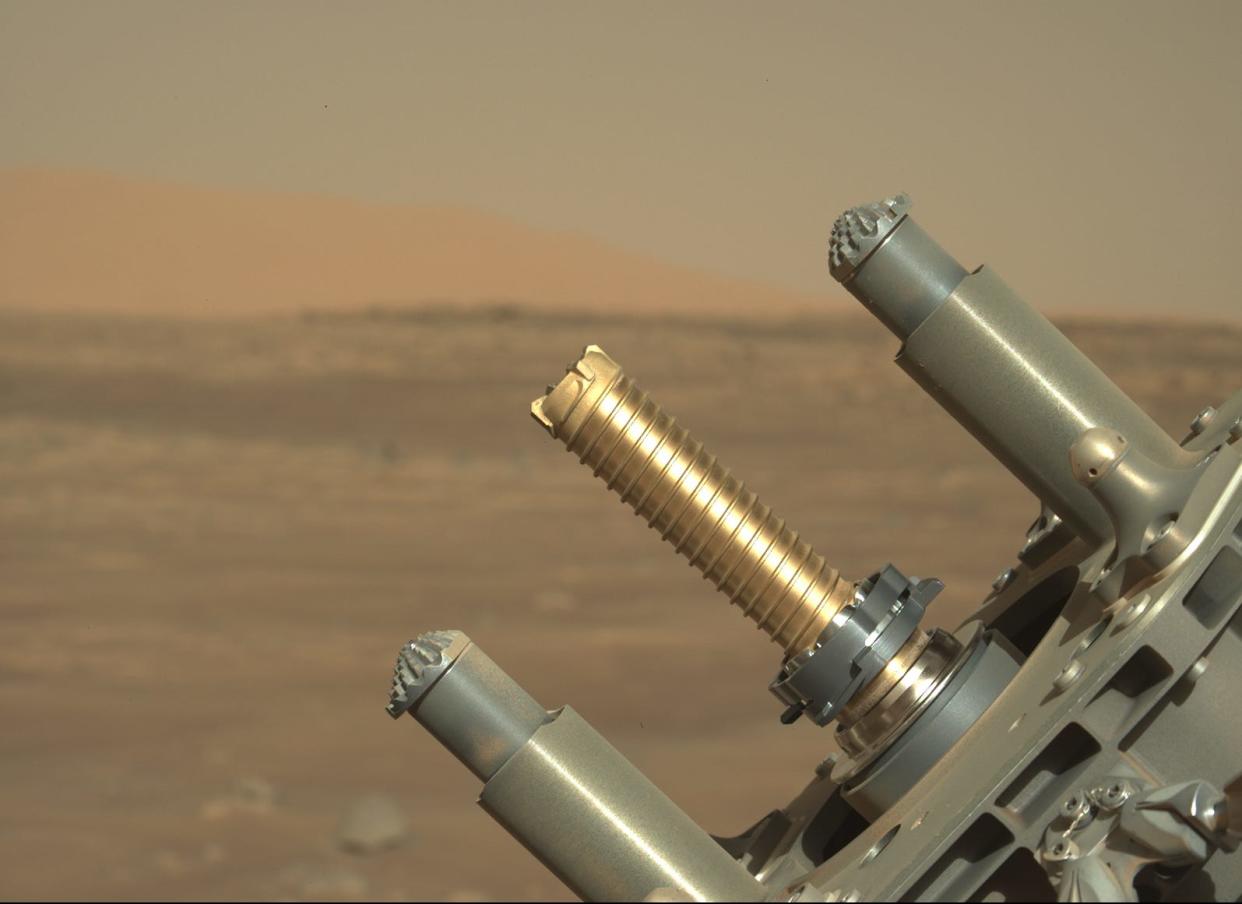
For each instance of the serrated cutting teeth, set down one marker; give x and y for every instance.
(418, 665)
(858, 231)
(425, 653)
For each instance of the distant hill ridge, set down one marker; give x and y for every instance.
(83, 241)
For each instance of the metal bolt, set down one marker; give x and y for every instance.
(1195, 672)
(1216, 816)
(1064, 849)
(1131, 609)
(1160, 534)
(1112, 797)
(1101, 577)
(826, 765)
(1071, 673)
(1075, 807)
(1003, 580)
(1202, 419)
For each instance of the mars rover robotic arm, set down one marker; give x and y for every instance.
(1077, 737)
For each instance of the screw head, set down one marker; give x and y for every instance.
(1113, 795)
(1202, 419)
(826, 765)
(1077, 808)
(1062, 850)
(1071, 673)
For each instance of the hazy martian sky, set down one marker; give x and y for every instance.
(1090, 152)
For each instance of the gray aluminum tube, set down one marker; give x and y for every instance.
(479, 713)
(991, 360)
(915, 278)
(601, 826)
(557, 786)
(1026, 393)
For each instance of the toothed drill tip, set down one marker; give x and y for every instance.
(420, 664)
(860, 230)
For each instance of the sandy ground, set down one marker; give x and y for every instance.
(215, 536)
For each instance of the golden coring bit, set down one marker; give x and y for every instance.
(681, 491)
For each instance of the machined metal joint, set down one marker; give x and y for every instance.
(888, 609)
(992, 361)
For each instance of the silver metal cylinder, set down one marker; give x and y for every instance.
(557, 786)
(502, 716)
(991, 360)
(476, 710)
(1026, 393)
(884, 766)
(601, 826)
(919, 277)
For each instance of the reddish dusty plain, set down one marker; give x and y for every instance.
(217, 534)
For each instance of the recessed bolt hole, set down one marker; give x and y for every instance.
(1093, 472)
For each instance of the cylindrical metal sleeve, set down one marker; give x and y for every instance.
(479, 713)
(906, 279)
(606, 831)
(952, 707)
(685, 494)
(1026, 393)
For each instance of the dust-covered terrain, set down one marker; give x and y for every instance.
(215, 536)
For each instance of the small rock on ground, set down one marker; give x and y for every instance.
(373, 822)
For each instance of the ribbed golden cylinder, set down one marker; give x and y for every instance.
(680, 490)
